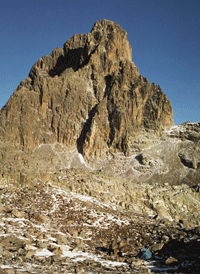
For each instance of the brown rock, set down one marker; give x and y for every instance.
(41, 218)
(22, 251)
(61, 239)
(137, 263)
(2, 208)
(88, 95)
(79, 242)
(8, 271)
(70, 222)
(127, 249)
(83, 235)
(63, 248)
(30, 253)
(19, 272)
(7, 253)
(18, 214)
(68, 260)
(120, 259)
(41, 244)
(197, 230)
(40, 236)
(1, 250)
(29, 247)
(171, 260)
(28, 236)
(156, 247)
(57, 250)
(73, 232)
(56, 256)
(12, 243)
(5, 208)
(165, 238)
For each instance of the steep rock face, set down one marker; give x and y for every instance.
(87, 96)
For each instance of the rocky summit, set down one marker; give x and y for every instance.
(88, 96)
(94, 175)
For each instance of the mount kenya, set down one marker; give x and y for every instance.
(95, 177)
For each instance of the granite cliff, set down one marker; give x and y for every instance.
(86, 106)
(87, 96)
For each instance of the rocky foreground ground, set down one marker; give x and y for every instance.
(44, 229)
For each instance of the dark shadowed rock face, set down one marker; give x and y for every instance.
(87, 96)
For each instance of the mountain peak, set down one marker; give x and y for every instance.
(87, 96)
(108, 27)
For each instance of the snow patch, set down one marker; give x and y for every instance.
(82, 159)
(45, 252)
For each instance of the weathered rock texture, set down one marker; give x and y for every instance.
(45, 229)
(84, 122)
(87, 96)
(86, 106)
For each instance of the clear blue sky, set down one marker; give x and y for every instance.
(164, 36)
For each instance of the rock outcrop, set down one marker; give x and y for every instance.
(94, 176)
(87, 96)
(86, 106)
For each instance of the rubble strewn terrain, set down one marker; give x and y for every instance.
(45, 229)
(94, 175)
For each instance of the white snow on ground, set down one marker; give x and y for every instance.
(5, 266)
(172, 129)
(44, 252)
(180, 128)
(81, 159)
(18, 220)
(81, 256)
(103, 219)
(84, 198)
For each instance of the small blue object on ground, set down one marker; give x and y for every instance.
(146, 254)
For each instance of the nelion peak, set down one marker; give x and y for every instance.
(87, 96)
